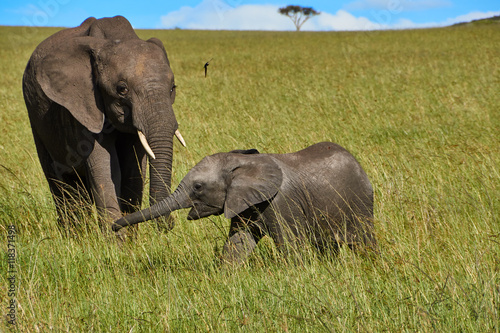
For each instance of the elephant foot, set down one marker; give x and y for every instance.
(237, 248)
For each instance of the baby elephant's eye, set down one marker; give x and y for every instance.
(198, 186)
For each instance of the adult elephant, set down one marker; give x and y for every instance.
(99, 98)
(320, 194)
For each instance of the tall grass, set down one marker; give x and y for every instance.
(420, 111)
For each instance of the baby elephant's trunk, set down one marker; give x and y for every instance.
(162, 208)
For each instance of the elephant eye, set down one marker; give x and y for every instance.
(172, 94)
(122, 89)
(198, 186)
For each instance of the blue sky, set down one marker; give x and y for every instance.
(249, 15)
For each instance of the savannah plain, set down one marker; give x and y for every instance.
(420, 110)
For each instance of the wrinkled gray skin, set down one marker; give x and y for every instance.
(88, 91)
(320, 193)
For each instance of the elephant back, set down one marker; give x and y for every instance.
(335, 193)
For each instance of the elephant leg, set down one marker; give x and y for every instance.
(238, 247)
(104, 178)
(243, 239)
(133, 163)
(65, 186)
(71, 199)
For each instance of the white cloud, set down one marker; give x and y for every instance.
(218, 15)
(397, 5)
(342, 20)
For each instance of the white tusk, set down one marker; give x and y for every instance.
(179, 136)
(145, 144)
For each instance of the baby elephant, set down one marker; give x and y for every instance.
(320, 193)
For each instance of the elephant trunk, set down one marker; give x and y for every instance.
(158, 125)
(156, 120)
(175, 201)
(160, 168)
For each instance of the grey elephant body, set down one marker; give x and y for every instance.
(321, 194)
(89, 91)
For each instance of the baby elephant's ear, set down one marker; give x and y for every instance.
(254, 179)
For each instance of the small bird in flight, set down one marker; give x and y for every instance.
(206, 66)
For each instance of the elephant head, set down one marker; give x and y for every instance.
(103, 71)
(228, 183)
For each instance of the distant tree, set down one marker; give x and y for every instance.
(298, 14)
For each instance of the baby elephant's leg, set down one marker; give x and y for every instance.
(238, 247)
(243, 238)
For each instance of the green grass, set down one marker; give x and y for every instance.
(419, 109)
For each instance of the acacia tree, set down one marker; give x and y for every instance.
(298, 14)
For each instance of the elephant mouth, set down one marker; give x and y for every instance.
(203, 210)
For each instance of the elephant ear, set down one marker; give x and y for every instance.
(159, 43)
(66, 76)
(254, 179)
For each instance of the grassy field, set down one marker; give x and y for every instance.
(419, 109)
